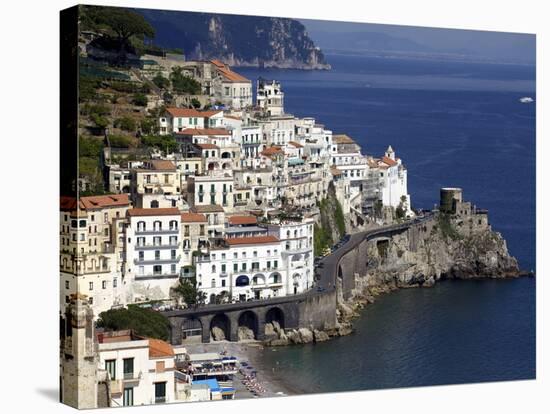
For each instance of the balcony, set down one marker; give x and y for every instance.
(174, 230)
(168, 275)
(157, 246)
(157, 261)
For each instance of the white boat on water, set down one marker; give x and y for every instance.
(526, 99)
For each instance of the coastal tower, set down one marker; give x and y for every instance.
(78, 358)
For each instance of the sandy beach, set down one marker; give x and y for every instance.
(248, 352)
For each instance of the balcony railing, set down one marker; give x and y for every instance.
(158, 231)
(157, 246)
(157, 261)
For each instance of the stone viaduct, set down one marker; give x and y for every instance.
(315, 309)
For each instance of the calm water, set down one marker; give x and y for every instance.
(454, 124)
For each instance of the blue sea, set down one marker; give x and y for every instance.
(453, 124)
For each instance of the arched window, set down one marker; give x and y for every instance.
(173, 225)
(141, 226)
(242, 281)
(213, 268)
(157, 225)
(154, 204)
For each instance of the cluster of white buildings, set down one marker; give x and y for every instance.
(233, 208)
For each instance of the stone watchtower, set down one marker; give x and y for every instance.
(78, 356)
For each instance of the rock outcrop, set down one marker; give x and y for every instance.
(237, 40)
(218, 334)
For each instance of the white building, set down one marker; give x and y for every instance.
(230, 88)
(270, 97)
(393, 182)
(242, 268)
(140, 370)
(296, 238)
(175, 120)
(153, 258)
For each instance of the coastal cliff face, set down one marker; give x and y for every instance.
(448, 247)
(237, 40)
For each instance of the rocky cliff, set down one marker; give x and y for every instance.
(237, 40)
(447, 247)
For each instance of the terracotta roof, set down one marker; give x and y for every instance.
(94, 202)
(227, 73)
(193, 218)
(154, 212)
(163, 165)
(335, 171)
(209, 208)
(252, 240)
(295, 144)
(238, 118)
(342, 139)
(189, 112)
(389, 161)
(240, 220)
(204, 131)
(207, 146)
(159, 348)
(268, 152)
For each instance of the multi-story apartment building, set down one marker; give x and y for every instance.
(242, 268)
(296, 237)
(230, 88)
(193, 236)
(153, 252)
(207, 190)
(346, 156)
(215, 219)
(89, 250)
(175, 120)
(154, 177)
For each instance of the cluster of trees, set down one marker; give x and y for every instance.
(188, 292)
(179, 82)
(142, 321)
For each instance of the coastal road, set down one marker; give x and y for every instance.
(328, 268)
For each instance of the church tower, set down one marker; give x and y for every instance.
(390, 153)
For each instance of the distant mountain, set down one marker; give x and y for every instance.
(367, 41)
(236, 40)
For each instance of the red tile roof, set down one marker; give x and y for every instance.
(163, 165)
(207, 146)
(189, 112)
(268, 152)
(159, 348)
(227, 73)
(295, 144)
(240, 220)
(94, 202)
(235, 241)
(342, 139)
(204, 131)
(153, 212)
(193, 218)
(389, 161)
(335, 171)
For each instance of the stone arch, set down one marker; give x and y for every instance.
(191, 328)
(226, 155)
(247, 325)
(275, 314)
(258, 279)
(220, 327)
(275, 277)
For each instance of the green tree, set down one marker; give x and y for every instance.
(195, 103)
(187, 290)
(148, 126)
(140, 99)
(143, 321)
(182, 83)
(125, 123)
(161, 81)
(121, 24)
